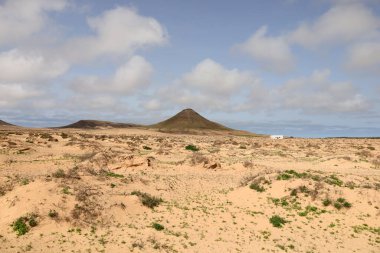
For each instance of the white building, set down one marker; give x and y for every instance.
(276, 137)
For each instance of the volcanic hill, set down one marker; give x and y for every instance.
(94, 124)
(3, 123)
(189, 119)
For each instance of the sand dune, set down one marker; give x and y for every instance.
(124, 190)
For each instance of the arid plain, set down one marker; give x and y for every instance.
(142, 190)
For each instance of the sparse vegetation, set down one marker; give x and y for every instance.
(20, 227)
(257, 187)
(192, 148)
(83, 191)
(334, 180)
(158, 226)
(288, 174)
(60, 173)
(112, 174)
(277, 221)
(64, 135)
(53, 214)
(365, 227)
(147, 199)
(23, 224)
(327, 202)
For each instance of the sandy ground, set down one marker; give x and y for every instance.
(101, 191)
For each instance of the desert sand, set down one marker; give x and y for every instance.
(136, 190)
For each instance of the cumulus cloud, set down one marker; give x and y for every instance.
(211, 86)
(22, 75)
(211, 76)
(318, 94)
(17, 66)
(120, 31)
(116, 33)
(340, 24)
(208, 85)
(346, 23)
(12, 93)
(364, 57)
(129, 77)
(272, 53)
(22, 18)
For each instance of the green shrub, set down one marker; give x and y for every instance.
(147, 199)
(284, 176)
(23, 224)
(334, 180)
(347, 204)
(158, 226)
(25, 181)
(60, 173)
(192, 148)
(304, 213)
(257, 187)
(66, 190)
(32, 222)
(277, 221)
(338, 205)
(311, 208)
(341, 200)
(20, 227)
(326, 202)
(288, 174)
(111, 174)
(53, 214)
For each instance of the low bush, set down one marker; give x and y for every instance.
(23, 224)
(192, 148)
(257, 187)
(147, 199)
(277, 221)
(158, 226)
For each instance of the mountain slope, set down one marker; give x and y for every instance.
(93, 124)
(3, 123)
(189, 119)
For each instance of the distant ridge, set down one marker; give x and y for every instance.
(94, 124)
(3, 123)
(189, 119)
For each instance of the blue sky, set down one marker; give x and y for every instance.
(300, 68)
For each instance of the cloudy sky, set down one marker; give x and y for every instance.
(294, 67)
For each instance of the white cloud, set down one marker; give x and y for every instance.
(133, 75)
(341, 24)
(364, 57)
(345, 24)
(22, 76)
(208, 85)
(119, 31)
(16, 66)
(22, 18)
(317, 94)
(11, 94)
(212, 77)
(272, 53)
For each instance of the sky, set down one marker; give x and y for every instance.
(293, 67)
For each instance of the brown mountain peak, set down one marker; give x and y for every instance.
(189, 119)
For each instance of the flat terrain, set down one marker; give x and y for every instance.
(131, 190)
